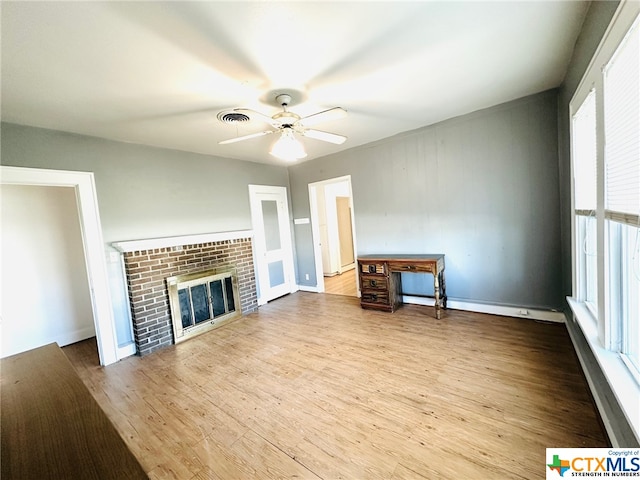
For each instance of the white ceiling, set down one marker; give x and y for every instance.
(158, 73)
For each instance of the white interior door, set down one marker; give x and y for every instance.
(272, 238)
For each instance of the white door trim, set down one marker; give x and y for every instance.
(315, 229)
(315, 235)
(258, 229)
(84, 185)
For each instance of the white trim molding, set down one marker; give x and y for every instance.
(315, 227)
(163, 242)
(307, 288)
(621, 381)
(506, 311)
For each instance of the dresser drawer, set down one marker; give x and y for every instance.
(377, 298)
(397, 266)
(373, 283)
(373, 268)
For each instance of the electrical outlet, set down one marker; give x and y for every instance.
(523, 312)
(306, 276)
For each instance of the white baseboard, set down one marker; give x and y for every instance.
(519, 312)
(75, 336)
(307, 288)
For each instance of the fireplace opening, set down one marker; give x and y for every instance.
(202, 301)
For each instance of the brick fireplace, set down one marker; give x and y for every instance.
(149, 263)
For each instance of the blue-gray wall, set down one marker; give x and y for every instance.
(481, 188)
(147, 192)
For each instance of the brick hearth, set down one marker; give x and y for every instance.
(147, 270)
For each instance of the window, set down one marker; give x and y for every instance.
(605, 155)
(621, 92)
(624, 268)
(605, 162)
(584, 170)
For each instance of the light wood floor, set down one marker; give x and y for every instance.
(343, 284)
(312, 386)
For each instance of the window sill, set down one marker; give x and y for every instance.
(620, 379)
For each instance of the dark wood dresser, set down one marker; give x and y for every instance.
(381, 283)
(51, 425)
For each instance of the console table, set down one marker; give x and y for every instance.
(381, 284)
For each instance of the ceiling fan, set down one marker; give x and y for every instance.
(287, 123)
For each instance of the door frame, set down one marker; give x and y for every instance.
(315, 228)
(258, 230)
(84, 185)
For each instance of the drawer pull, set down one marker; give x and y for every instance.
(410, 267)
(373, 283)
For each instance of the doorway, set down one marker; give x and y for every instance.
(333, 229)
(83, 187)
(273, 246)
(45, 289)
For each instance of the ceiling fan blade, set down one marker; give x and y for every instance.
(254, 115)
(326, 115)
(324, 136)
(245, 137)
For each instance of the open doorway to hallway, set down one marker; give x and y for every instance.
(342, 284)
(333, 229)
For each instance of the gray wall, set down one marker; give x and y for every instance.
(481, 188)
(147, 192)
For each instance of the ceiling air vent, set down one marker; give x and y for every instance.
(233, 117)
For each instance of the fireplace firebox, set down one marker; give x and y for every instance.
(202, 301)
(148, 264)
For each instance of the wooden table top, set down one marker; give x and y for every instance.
(402, 256)
(51, 425)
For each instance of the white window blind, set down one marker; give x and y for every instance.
(584, 154)
(622, 129)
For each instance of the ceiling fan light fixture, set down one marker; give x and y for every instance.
(287, 147)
